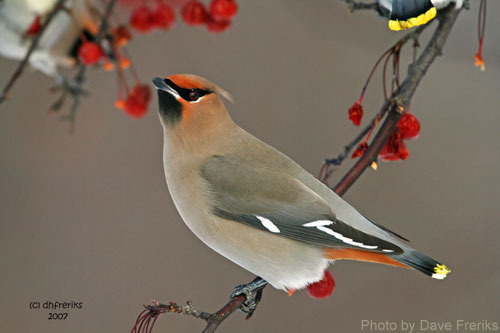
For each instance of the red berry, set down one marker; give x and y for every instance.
(409, 126)
(217, 26)
(142, 19)
(122, 35)
(363, 146)
(322, 288)
(34, 27)
(356, 113)
(137, 101)
(163, 16)
(89, 53)
(223, 9)
(395, 148)
(194, 13)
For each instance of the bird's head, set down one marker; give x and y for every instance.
(189, 103)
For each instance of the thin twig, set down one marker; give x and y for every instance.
(416, 72)
(34, 43)
(355, 5)
(73, 86)
(213, 320)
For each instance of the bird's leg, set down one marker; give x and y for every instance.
(253, 294)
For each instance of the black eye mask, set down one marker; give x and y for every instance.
(185, 93)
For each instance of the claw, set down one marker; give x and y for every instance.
(253, 295)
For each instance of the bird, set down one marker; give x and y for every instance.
(254, 205)
(405, 14)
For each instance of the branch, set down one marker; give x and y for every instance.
(147, 318)
(416, 72)
(355, 5)
(73, 87)
(34, 43)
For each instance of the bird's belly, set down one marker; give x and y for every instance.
(284, 263)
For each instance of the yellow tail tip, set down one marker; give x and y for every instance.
(440, 272)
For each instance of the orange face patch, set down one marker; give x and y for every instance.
(186, 108)
(185, 82)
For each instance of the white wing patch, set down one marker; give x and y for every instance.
(346, 240)
(319, 223)
(321, 226)
(268, 224)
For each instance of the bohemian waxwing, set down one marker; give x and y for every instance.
(254, 205)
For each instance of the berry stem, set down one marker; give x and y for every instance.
(132, 67)
(371, 74)
(384, 72)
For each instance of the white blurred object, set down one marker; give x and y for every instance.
(58, 39)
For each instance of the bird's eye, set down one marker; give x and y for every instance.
(194, 95)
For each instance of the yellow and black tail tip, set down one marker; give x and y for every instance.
(406, 14)
(440, 272)
(424, 264)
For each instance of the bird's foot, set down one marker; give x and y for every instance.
(253, 294)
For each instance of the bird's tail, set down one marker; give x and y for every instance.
(409, 258)
(422, 263)
(407, 14)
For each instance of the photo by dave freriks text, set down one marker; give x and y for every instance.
(424, 325)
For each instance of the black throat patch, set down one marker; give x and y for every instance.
(170, 108)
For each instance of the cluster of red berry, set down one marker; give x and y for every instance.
(90, 53)
(395, 149)
(408, 126)
(144, 17)
(217, 19)
(407, 129)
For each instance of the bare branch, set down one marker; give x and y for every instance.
(73, 87)
(143, 323)
(356, 5)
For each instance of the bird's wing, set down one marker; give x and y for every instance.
(278, 203)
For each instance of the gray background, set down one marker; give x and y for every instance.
(87, 217)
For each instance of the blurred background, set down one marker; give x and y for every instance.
(88, 218)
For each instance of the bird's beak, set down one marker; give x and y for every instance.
(161, 84)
